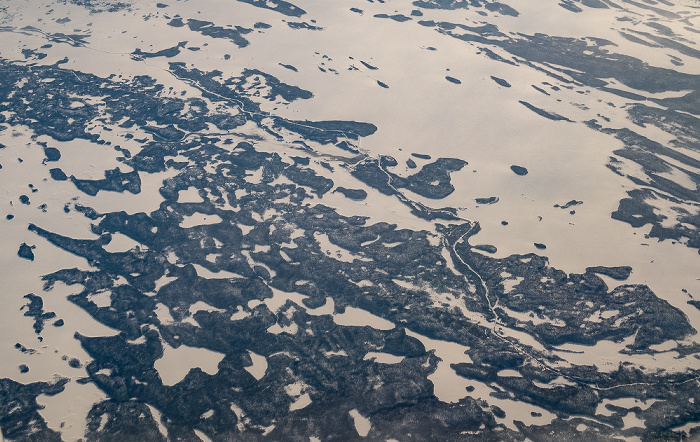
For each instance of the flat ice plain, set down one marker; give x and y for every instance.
(348, 220)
